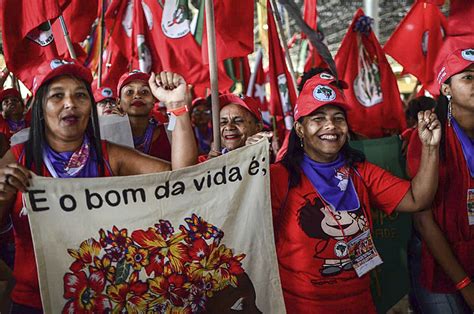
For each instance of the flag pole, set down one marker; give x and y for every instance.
(67, 38)
(211, 41)
(101, 43)
(281, 33)
(253, 77)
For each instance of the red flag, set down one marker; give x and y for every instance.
(78, 17)
(460, 20)
(373, 94)
(310, 14)
(119, 24)
(114, 65)
(424, 28)
(283, 95)
(27, 35)
(176, 47)
(234, 36)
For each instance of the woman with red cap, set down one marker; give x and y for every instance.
(322, 192)
(65, 142)
(137, 101)
(12, 119)
(447, 230)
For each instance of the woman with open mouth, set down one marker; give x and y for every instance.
(65, 142)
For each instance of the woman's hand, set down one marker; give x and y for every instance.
(429, 128)
(13, 178)
(170, 88)
(468, 295)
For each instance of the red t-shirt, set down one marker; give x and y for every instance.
(5, 128)
(449, 211)
(316, 274)
(26, 290)
(161, 147)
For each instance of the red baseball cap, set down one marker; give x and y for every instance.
(319, 91)
(455, 55)
(135, 75)
(10, 92)
(54, 68)
(104, 93)
(247, 102)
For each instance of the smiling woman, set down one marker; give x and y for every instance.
(65, 142)
(322, 191)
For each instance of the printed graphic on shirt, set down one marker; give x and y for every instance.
(333, 229)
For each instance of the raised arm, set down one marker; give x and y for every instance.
(424, 184)
(172, 90)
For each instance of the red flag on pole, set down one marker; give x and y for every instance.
(114, 65)
(423, 27)
(27, 35)
(78, 16)
(234, 36)
(283, 96)
(460, 20)
(176, 47)
(373, 94)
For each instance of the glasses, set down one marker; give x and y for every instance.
(201, 112)
(107, 103)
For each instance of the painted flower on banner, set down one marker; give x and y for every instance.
(156, 270)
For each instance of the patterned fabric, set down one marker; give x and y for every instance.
(143, 143)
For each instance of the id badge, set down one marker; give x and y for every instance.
(470, 206)
(363, 254)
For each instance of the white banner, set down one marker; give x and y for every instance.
(188, 240)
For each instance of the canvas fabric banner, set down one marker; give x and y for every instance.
(169, 242)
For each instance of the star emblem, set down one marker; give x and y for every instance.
(260, 92)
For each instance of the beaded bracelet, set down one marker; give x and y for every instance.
(463, 283)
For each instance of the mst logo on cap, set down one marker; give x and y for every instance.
(107, 92)
(326, 76)
(324, 93)
(468, 54)
(57, 63)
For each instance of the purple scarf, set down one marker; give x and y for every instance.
(333, 182)
(204, 140)
(467, 145)
(16, 126)
(82, 163)
(143, 143)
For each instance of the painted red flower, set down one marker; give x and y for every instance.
(174, 288)
(84, 293)
(88, 251)
(129, 296)
(104, 265)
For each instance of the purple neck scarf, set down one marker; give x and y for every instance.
(82, 163)
(16, 126)
(467, 145)
(204, 140)
(333, 182)
(143, 143)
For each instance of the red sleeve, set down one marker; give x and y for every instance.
(385, 190)
(278, 187)
(413, 154)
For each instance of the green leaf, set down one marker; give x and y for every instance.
(122, 272)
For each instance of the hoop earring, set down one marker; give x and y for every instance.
(450, 109)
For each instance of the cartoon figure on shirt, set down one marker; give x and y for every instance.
(342, 175)
(333, 229)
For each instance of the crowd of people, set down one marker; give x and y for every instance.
(322, 190)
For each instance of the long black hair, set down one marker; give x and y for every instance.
(34, 145)
(294, 155)
(441, 111)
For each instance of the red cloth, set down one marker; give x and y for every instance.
(78, 16)
(460, 21)
(161, 147)
(449, 211)
(423, 27)
(114, 65)
(234, 36)
(20, 21)
(26, 290)
(283, 95)
(373, 94)
(301, 257)
(5, 128)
